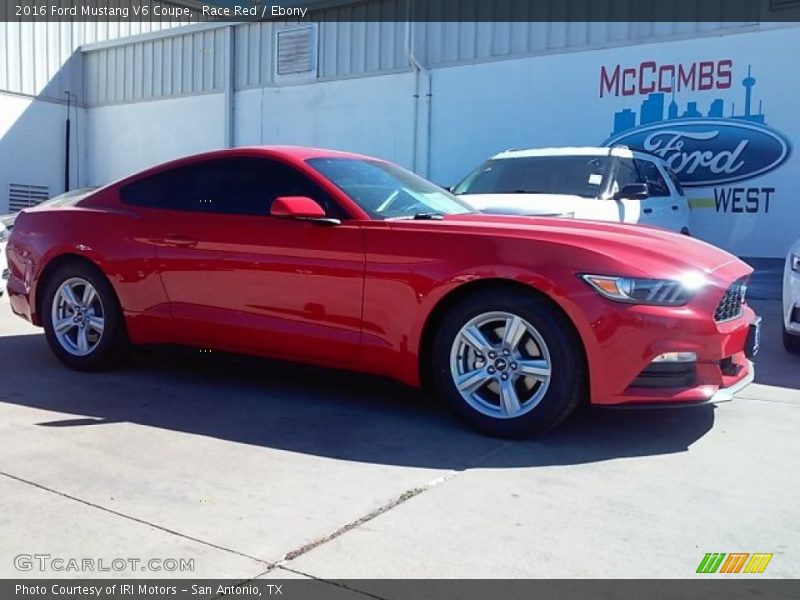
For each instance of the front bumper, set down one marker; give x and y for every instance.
(630, 337)
(721, 395)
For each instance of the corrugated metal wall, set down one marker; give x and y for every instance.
(189, 63)
(37, 58)
(362, 38)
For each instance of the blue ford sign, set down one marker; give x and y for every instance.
(712, 151)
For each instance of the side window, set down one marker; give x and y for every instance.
(626, 173)
(675, 181)
(652, 176)
(285, 180)
(156, 191)
(236, 185)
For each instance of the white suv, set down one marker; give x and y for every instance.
(791, 300)
(603, 184)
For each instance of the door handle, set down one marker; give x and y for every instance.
(674, 207)
(182, 241)
(647, 211)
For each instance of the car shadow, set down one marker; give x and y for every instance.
(316, 412)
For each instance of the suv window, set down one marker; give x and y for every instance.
(572, 175)
(652, 177)
(627, 173)
(675, 181)
(236, 185)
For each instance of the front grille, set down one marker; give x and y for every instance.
(730, 306)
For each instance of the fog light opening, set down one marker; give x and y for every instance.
(676, 357)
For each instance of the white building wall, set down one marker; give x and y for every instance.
(482, 87)
(32, 145)
(373, 115)
(125, 138)
(38, 65)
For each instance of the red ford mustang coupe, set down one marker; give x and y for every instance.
(346, 261)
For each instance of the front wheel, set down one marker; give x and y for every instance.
(509, 363)
(82, 319)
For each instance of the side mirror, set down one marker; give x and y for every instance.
(633, 191)
(299, 207)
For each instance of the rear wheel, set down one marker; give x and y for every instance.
(82, 319)
(791, 342)
(509, 363)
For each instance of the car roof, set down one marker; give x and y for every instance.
(296, 153)
(619, 151)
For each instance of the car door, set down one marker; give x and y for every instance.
(679, 203)
(660, 207)
(239, 279)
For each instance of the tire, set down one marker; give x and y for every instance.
(791, 342)
(103, 347)
(547, 343)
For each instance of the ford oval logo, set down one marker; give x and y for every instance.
(706, 152)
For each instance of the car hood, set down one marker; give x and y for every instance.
(649, 250)
(527, 204)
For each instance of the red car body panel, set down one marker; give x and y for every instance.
(360, 295)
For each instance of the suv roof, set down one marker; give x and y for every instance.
(619, 151)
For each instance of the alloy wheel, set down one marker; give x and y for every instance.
(78, 316)
(500, 364)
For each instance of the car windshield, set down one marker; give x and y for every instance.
(585, 176)
(385, 191)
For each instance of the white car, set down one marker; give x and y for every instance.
(3, 265)
(602, 184)
(791, 300)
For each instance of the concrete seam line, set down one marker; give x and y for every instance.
(402, 498)
(330, 582)
(137, 520)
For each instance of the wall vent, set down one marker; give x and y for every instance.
(25, 195)
(296, 51)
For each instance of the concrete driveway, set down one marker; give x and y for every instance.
(256, 470)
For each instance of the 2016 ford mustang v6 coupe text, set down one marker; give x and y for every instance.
(346, 261)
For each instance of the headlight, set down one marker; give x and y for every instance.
(658, 292)
(795, 260)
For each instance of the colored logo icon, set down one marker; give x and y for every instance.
(734, 562)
